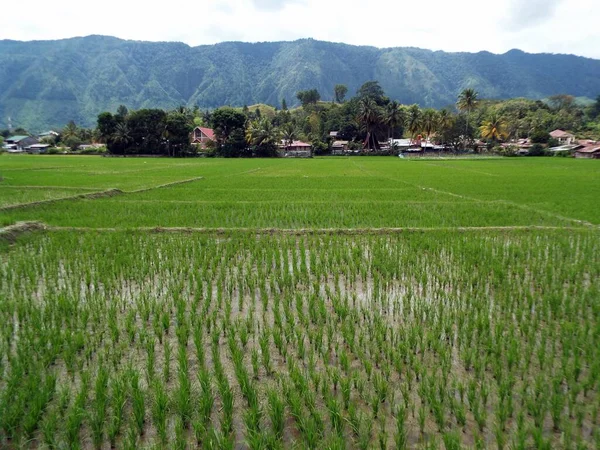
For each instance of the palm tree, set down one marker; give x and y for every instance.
(262, 134)
(413, 120)
(429, 122)
(289, 133)
(369, 115)
(393, 117)
(122, 136)
(70, 131)
(444, 123)
(467, 101)
(494, 128)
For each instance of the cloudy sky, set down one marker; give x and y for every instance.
(555, 26)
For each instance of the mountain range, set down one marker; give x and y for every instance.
(44, 84)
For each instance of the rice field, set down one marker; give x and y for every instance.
(323, 304)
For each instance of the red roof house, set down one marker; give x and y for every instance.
(201, 135)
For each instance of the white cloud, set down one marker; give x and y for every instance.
(557, 26)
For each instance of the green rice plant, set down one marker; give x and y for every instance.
(180, 442)
(335, 415)
(265, 352)
(118, 400)
(167, 362)
(346, 389)
(227, 400)
(49, 428)
(182, 397)
(131, 441)
(451, 440)
(37, 404)
(401, 434)
(160, 410)
(150, 359)
(98, 414)
(217, 440)
(138, 403)
(276, 413)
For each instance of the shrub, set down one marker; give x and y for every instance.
(540, 137)
(537, 150)
(510, 150)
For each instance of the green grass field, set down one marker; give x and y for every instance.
(323, 304)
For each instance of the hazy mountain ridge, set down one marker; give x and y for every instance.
(44, 84)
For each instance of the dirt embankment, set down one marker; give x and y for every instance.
(92, 195)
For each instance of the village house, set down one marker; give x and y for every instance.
(588, 153)
(296, 149)
(38, 148)
(201, 136)
(339, 147)
(19, 143)
(563, 137)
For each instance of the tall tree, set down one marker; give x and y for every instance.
(467, 102)
(106, 127)
(309, 97)
(289, 133)
(445, 123)
(494, 128)
(122, 137)
(177, 133)
(369, 115)
(284, 105)
(70, 131)
(372, 90)
(340, 91)
(429, 122)
(393, 117)
(230, 130)
(413, 120)
(122, 113)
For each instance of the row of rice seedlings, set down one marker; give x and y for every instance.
(372, 340)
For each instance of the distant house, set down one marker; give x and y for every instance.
(563, 137)
(296, 149)
(339, 147)
(37, 148)
(333, 134)
(588, 153)
(401, 144)
(20, 143)
(201, 136)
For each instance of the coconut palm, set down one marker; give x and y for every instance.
(393, 117)
(444, 123)
(262, 132)
(369, 116)
(289, 133)
(429, 122)
(494, 128)
(70, 131)
(467, 102)
(413, 120)
(121, 136)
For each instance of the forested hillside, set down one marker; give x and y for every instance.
(45, 84)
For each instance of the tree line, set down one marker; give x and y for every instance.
(367, 121)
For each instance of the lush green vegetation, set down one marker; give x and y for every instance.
(329, 192)
(424, 340)
(47, 84)
(353, 337)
